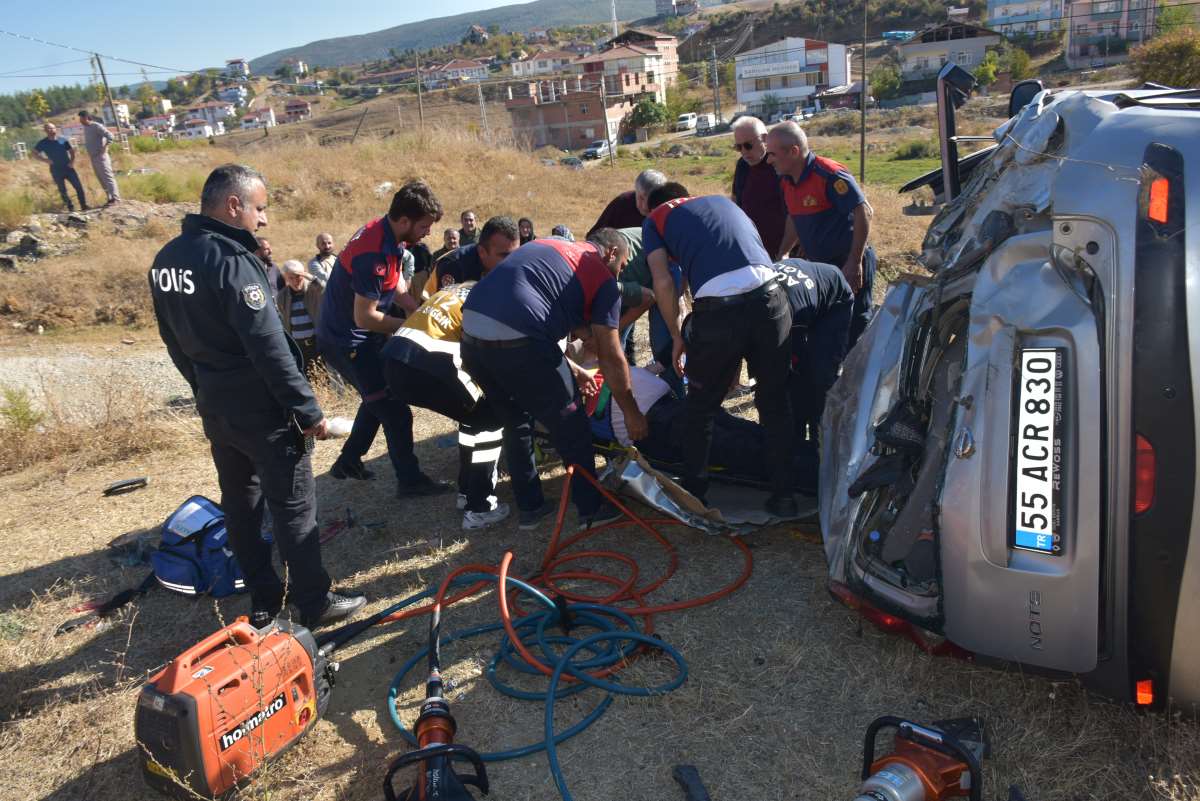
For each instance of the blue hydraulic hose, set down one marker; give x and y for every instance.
(531, 630)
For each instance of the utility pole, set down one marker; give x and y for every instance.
(483, 112)
(716, 82)
(612, 159)
(862, 96)
(420, 100)
(107, 91)
(614, 19)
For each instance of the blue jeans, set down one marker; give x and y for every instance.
(362, 368)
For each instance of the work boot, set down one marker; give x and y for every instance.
(347, 468)
(337, 607)
(263, 616)
(783, 505)
(423, 487)
(477, 520)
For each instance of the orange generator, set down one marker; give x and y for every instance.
(218, 711)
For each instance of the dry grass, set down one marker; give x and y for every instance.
(782, 680)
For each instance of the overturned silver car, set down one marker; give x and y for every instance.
(1009, 458)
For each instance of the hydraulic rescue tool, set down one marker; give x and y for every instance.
(927, 763)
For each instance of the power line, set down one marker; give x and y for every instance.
(44, 66)
(48, 43)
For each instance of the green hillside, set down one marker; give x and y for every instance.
(445, 30)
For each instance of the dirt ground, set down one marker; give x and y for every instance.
(782, 680)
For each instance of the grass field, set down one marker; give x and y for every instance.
(782, 680)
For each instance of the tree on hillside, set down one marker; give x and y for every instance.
(1172, 59)
(648, 114)
(1019, 66)
(985, 73)
(885, 82)
(36, 105)
(145, 95)
(285, 72)
(1171, 18)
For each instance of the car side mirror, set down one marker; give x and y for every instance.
(1022, 94)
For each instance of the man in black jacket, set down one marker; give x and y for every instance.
(216, 317)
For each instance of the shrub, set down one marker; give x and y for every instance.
(1172, 59)
(17, 411)
(163, 187)
(916, 149)
(15, 208)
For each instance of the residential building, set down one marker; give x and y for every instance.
(627, 70)
(214, 111)
(923, 55)
(296, 110)
(476, 34)
(313, 87)
(262, 118)
(538, 35)
(543, 62)
(580, 48)
(299, 68)
(960, 14)
(567, 113)
(162, 105)
(235, 94)
(675, 8)
(198, 129)
(847, 96)
(1024, 17)
(237, 68)
(390, 77)
(122, 112)
(1101, 33)
(664, 44)
(465, 69)
(789, 73)
(159, 122)
(72, 131)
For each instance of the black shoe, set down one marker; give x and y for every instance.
(531, 519)
(346, 469)
(261, 618)
(337, 607)
(423, 487)
(783, 505)
(605, 513)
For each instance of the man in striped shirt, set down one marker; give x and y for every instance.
(299, 304)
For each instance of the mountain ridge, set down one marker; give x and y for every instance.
(440, 31)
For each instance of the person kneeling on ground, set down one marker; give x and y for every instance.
(497, 239)
(424, 368)
(512, 324)
(737, 444)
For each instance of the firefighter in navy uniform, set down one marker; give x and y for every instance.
(217, 319)
(828, 215)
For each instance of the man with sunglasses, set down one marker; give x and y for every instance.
(756, 187)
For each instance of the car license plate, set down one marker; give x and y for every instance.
(1036, 503)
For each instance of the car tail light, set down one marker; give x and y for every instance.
(1145, 692)
(1143, 476)
(1160, 193)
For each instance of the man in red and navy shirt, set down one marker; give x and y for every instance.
(827, 214)
(355, 322)
(740, 312)
(513, 324)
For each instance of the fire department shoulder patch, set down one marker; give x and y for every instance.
(840, 186)
(254, 296)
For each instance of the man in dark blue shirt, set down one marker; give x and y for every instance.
(56, 151)
(497, 238)
(513, 323)
(827, 214)
(354, 325)
(740, 312)
(822, 306)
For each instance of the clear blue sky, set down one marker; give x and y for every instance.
(185, 36)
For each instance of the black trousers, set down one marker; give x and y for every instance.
(64, 175)
(718, 337)
(264, 465)
(480, 432)
(817, 354)
(864, 302)
(526, 381)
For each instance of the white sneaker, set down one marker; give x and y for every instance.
(461, 503)
(475, 520)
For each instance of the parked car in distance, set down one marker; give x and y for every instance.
(686, 122)
(705, 123)
(596, 150)
(571, 162)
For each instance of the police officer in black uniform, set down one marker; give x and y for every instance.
(217, 319)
